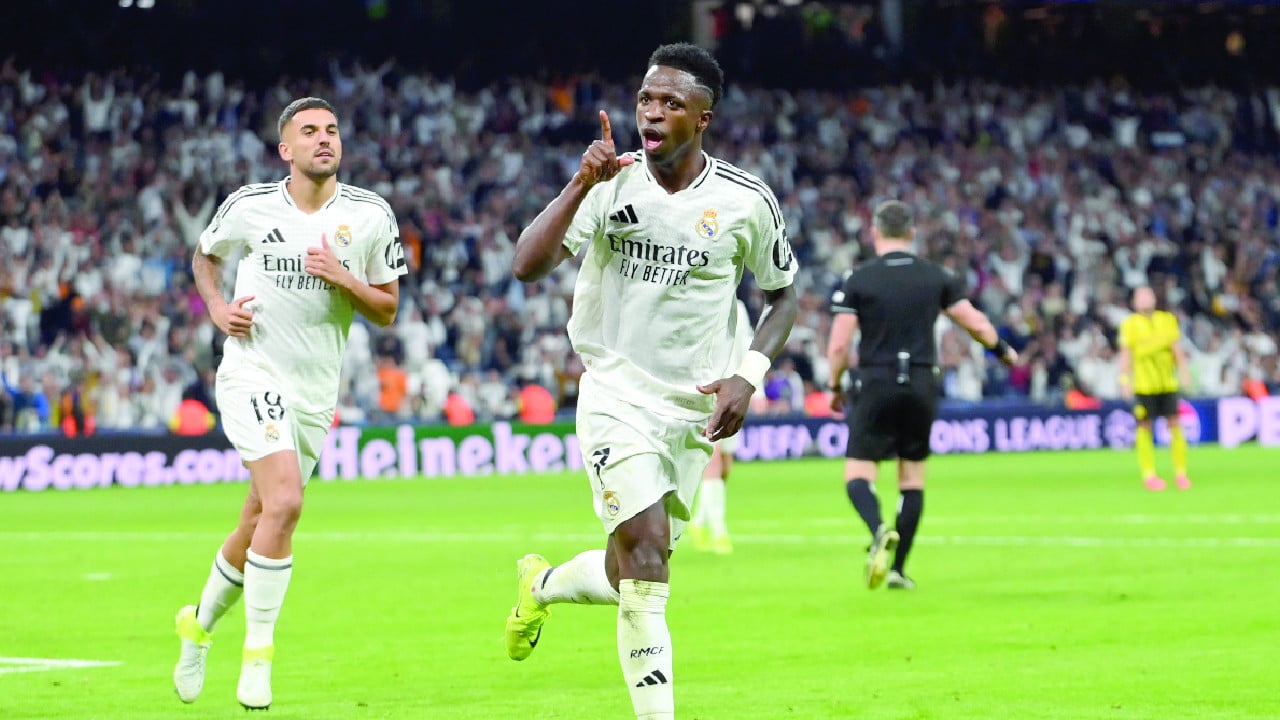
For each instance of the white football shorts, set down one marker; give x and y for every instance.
(257, 421)
(729, 445)
(634, 457)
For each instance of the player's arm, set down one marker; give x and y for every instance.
(376, 302)
(978, 325)
(768, 256)
(843, 327)
(733, 394)
(220, 239)
(781, 307)
(540, 248)
(233, 319)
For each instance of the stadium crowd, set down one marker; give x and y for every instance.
(1053, 204)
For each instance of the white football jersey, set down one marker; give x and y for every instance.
(300, 322)
(654, 308)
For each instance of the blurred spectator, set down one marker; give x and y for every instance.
(816, 402)
(193, 416)
(458, 410)
(393, 384)
(537, 407)
(76, 409)
(1078, 398)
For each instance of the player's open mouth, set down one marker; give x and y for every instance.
(651, 138)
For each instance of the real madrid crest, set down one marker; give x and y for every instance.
(707, 226)
(612, 504)
(343, 236)
(271, 433)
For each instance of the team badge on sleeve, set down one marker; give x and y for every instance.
(612, 504)
(343, 237)
(708, 227)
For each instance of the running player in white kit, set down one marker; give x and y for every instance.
(668, 233)
(313, 252)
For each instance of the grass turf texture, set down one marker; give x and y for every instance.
(1050, 586)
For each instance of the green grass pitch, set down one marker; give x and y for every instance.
(1050, 586)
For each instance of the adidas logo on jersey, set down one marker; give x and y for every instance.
(654, 678)
(273, 237)
(625, 215)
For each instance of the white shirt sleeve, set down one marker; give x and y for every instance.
(769, 254)
(386, 261)
(588, 222)
(221, 238)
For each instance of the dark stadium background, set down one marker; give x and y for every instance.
(1150, 43)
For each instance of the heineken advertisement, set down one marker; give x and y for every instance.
(445, 451)
(53, 462)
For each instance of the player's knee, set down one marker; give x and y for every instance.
(646, 560)
(283, 506)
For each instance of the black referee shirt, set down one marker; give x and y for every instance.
(897, 297)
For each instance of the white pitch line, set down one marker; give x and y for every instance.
(13, 665)
(853, 538)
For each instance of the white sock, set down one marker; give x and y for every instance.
(221, 591)
(701, 516)
(265, 582)
(580, 580)
(644, 647)
(713, 497)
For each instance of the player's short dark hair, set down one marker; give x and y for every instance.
(297, 106)
(894, 219)
(694, 60)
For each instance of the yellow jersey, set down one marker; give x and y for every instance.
(1150, 340)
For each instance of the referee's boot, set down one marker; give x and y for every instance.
(879, 554)
(899, 581)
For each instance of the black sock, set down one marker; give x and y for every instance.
(910, 507)
(865, 502)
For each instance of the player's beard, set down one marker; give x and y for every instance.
(317, 172)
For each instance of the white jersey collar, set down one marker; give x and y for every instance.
(284, 192)
(708, 161)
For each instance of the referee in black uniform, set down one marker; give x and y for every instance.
(895, 300)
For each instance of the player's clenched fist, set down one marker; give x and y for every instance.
(234, 319)
(601, 162)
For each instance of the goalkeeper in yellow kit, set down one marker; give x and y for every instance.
(1151, 363)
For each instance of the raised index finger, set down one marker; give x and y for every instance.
(606, 132)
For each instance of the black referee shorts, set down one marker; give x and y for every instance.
(888, 420)
(1146, 407)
